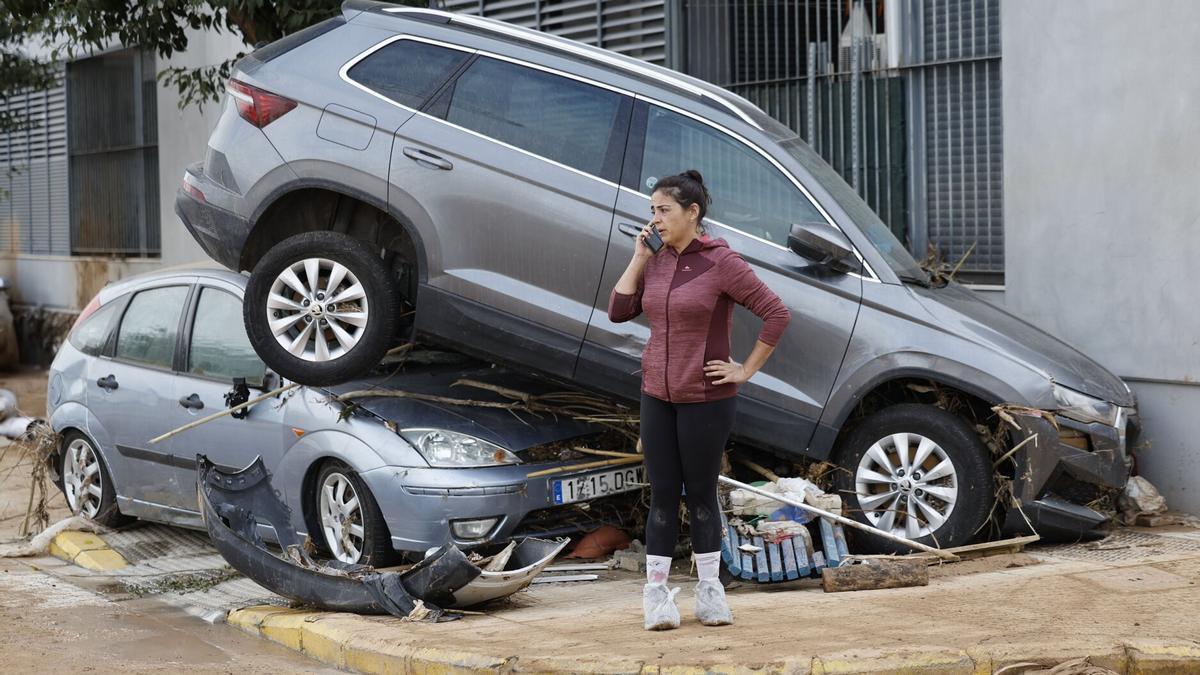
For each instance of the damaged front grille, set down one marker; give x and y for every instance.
(626, 511)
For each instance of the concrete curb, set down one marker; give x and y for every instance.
(87, 550)
(354, 643)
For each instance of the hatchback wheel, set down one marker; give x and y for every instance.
(321, 308)
(918, 472)
(85, 482)
(351, 525)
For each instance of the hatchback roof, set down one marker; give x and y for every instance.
(707, 92)
(203, 269)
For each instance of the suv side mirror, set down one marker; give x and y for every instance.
(823, 245)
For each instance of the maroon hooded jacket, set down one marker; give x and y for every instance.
(688, 299)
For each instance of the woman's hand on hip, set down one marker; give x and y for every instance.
(726, 372)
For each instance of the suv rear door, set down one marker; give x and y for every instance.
(753, 206)
(511, 172)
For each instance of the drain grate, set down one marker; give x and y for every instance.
(144, 544)
(1124, 546)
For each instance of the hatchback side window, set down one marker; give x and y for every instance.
(150, 326)
(219, 347)
(406, 71)
(556, 117)
(89, 337)
(748, 192)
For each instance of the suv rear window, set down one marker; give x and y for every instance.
(406, 71)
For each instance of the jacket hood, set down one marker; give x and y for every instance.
(960, 311)
(511, 429)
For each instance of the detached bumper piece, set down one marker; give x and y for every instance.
(234, 503)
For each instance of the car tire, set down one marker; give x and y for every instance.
(941, 501)
(294, 328)
(82, 473)
(356, 535)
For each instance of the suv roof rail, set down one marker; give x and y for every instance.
(628, 65)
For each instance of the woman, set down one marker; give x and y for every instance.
(689, 382)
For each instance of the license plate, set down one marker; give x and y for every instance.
(592, 485)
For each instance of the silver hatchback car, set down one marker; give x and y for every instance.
(151, 353)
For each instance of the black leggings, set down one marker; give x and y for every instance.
(683, 444)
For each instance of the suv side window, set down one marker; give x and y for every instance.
(406, 71)
(150, 325)
(556, 117)
(219, 347)
(748, 193)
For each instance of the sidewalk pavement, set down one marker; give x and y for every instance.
(1126, 604)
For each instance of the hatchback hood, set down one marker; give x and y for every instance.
(959, 311)
(515, 430)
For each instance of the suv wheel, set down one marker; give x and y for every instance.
(918, 472)
(85, 482)
(350, 523)
(321, 308)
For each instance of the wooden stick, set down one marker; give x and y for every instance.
(223, 413)
(1016, 447)
(604, 453)
(585, 465)
(837, 518)
(759, 469)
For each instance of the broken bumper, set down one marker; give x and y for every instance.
(421, 506)
(1064, 467)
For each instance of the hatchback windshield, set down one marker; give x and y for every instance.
(894, 252)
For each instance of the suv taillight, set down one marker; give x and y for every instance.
(256, 106)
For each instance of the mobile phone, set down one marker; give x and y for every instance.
(654, 240)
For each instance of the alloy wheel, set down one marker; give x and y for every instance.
(906, 485)
(81, 478)
(317, 309)
(341, 518)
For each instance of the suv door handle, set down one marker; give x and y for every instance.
(629, 229)
(107, 383)
(192, 402)
(425, 157)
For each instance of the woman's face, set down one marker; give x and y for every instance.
(675, 224)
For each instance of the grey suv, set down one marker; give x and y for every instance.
(397, 171)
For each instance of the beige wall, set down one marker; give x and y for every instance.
(67, 283)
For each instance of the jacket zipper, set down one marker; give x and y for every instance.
(667, 367)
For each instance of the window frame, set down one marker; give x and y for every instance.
(185, 341)
(115, 333)
(630, 101)
(344, 71)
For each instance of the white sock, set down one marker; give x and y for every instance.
(708, 565)
(657, 567)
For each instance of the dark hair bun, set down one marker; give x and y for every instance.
(694, 175)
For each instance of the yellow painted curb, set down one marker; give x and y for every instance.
(865, 662)
(87, 550)
(1147, 657)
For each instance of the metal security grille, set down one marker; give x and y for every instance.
(33, 175)
(632, 27)
(902, 98)
(113, 125)
(956, 91)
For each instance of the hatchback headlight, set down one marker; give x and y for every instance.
(451, 449)
(1084, 408)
